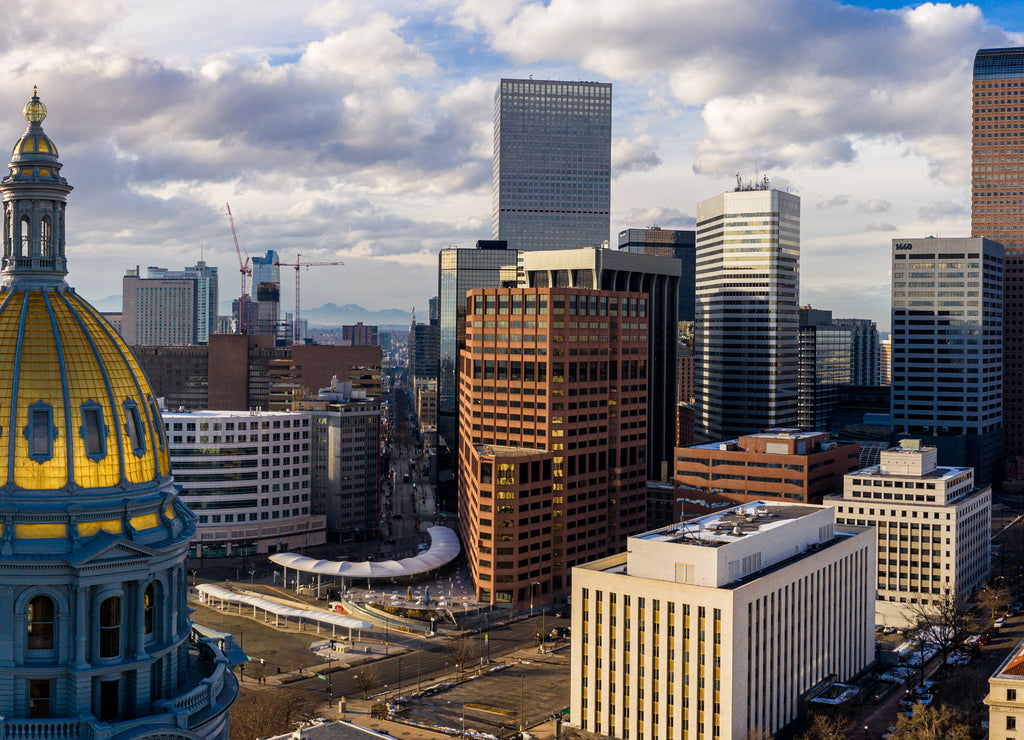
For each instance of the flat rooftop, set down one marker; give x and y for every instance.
(209, 414)
(502, 451)
(770, 435)
(732, 525)
(937, 473)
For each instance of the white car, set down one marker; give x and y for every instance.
(1001, 622)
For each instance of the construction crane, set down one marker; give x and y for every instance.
(298, 263)
(244, 268)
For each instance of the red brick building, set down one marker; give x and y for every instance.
(552, 435)
(777, 464)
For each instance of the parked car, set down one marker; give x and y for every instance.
(1001, 622)
(890, 731)
(925, 699)
(985, 639)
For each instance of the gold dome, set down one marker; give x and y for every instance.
(80, 413)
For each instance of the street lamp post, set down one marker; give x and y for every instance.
(534, 583)
(399, 676)
(522, 702)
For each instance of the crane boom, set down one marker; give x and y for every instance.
(243, 267)
(298, 263)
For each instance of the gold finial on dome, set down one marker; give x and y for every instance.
(35, 111)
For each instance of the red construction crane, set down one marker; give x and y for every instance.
(244, 268)
(297, 264)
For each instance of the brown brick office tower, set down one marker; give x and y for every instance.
(552, 435)
(997, 212)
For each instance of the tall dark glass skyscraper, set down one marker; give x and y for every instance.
(552, 164)
(669, 243)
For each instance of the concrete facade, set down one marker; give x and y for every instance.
(1005, 698)
(157, 312)
(933, 526)
(947, 349)
(718, 627)
(247, 475)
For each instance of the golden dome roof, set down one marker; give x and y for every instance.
(81, 415)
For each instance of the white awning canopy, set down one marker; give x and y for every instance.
(444, 548)
(220, 593)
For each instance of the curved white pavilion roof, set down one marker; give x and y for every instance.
(274, 607)
(444, 548)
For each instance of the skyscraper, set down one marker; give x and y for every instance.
(656, 277)
(265, 270)
(865, 363)
(748, 261)
(552, 163)
(997, 210)
(668, 243)
(947, 362)
(552, 439)
(206, 294)
(824, 367)
(156, 311)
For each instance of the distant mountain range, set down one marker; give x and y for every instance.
(329, 314)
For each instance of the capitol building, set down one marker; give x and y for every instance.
(97, 641)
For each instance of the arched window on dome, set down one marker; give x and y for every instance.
(45, 249)
(134, 427)
(41, 620)
(26, 236)
(40, 431)
(110, 627)
(93, 431)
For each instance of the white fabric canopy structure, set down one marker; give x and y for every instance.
(444, 548)
(219, 593)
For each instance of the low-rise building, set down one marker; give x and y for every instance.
(1005, 698)
(246, 475)
(777, 464)
(718, 627)
(933, 525)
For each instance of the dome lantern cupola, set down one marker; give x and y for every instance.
(34, 197)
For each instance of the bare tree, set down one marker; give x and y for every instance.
(265, 713)
(827, 726)
(934, 723)
(460, 651)
(944, 621)
(366, 678)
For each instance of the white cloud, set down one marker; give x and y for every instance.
(875, 205)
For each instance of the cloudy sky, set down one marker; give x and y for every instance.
(359, 131)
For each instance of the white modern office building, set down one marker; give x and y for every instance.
(551, 187)
(747, 330)
(947, 348)
(933, 526)
(717, 628)
(247, 476)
